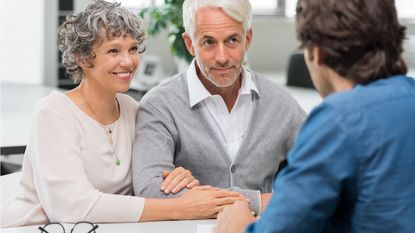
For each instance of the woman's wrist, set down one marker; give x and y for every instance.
(161, 209)
(175, 208)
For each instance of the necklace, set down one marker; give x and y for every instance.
(109, 129)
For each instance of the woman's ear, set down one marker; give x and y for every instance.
(82, 62)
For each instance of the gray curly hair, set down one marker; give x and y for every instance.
(79, 33)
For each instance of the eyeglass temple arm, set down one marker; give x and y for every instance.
(93, 229)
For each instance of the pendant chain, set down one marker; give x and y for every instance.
(110, 129)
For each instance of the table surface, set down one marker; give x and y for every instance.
(190, 226)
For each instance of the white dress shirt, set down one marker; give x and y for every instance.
(230, 127)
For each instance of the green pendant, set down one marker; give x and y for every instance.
(118, 162)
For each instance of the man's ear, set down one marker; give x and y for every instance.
(189, 43)
(319, 55)
(248, 39)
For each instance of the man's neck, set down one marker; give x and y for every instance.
(228, 94)
(340, 83)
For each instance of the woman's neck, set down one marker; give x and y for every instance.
(97, 102)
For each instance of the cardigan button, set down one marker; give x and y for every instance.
(233, 168)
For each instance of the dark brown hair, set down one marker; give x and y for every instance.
(362, 38)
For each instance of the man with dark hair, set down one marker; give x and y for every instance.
(352, 166)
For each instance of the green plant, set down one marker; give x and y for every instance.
(169, 16)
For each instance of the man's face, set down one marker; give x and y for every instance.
(219, 45)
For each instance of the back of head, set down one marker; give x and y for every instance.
(362, 38)
(80, 33)
(240, 10)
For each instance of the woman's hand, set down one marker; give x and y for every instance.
(203, 202)
(176, 180)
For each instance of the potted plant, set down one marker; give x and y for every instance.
(168, 16)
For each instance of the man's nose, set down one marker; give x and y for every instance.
(222, 54)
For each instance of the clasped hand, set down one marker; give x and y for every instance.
(176, 180)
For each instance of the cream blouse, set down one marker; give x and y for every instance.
(69, 172)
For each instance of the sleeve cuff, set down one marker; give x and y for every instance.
(254, 196)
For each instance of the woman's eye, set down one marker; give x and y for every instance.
(134, 49)
(113, 51)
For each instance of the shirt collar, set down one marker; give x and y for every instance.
(198, 92)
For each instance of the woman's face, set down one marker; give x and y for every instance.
(114, 65)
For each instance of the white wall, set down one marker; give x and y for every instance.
(50, 43)
(273, 43)
(22, 41)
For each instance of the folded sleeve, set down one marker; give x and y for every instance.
(254, 197)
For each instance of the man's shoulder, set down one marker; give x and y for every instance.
(170, 86)
(268, 86)
(364, 97)
(271, 93)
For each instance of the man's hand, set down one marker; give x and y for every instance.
(177, 180)
(203, 202)
(265, 197)
(234, 218)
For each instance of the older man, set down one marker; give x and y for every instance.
(225, 123)
(352, 167)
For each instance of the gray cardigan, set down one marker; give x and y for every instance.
(170, 134)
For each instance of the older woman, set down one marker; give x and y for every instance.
(77, 162)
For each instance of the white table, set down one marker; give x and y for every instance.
(146, 227)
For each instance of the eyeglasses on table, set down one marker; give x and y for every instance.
(79, 227)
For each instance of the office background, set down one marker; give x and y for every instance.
(30, 66)
(29, 51)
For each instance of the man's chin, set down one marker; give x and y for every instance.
(224, 82)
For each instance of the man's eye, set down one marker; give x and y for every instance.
(233, 40)
(208, 42)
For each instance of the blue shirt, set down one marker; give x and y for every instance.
(352, 168)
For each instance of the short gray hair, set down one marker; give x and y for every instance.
(239, 10)
(79, 33)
